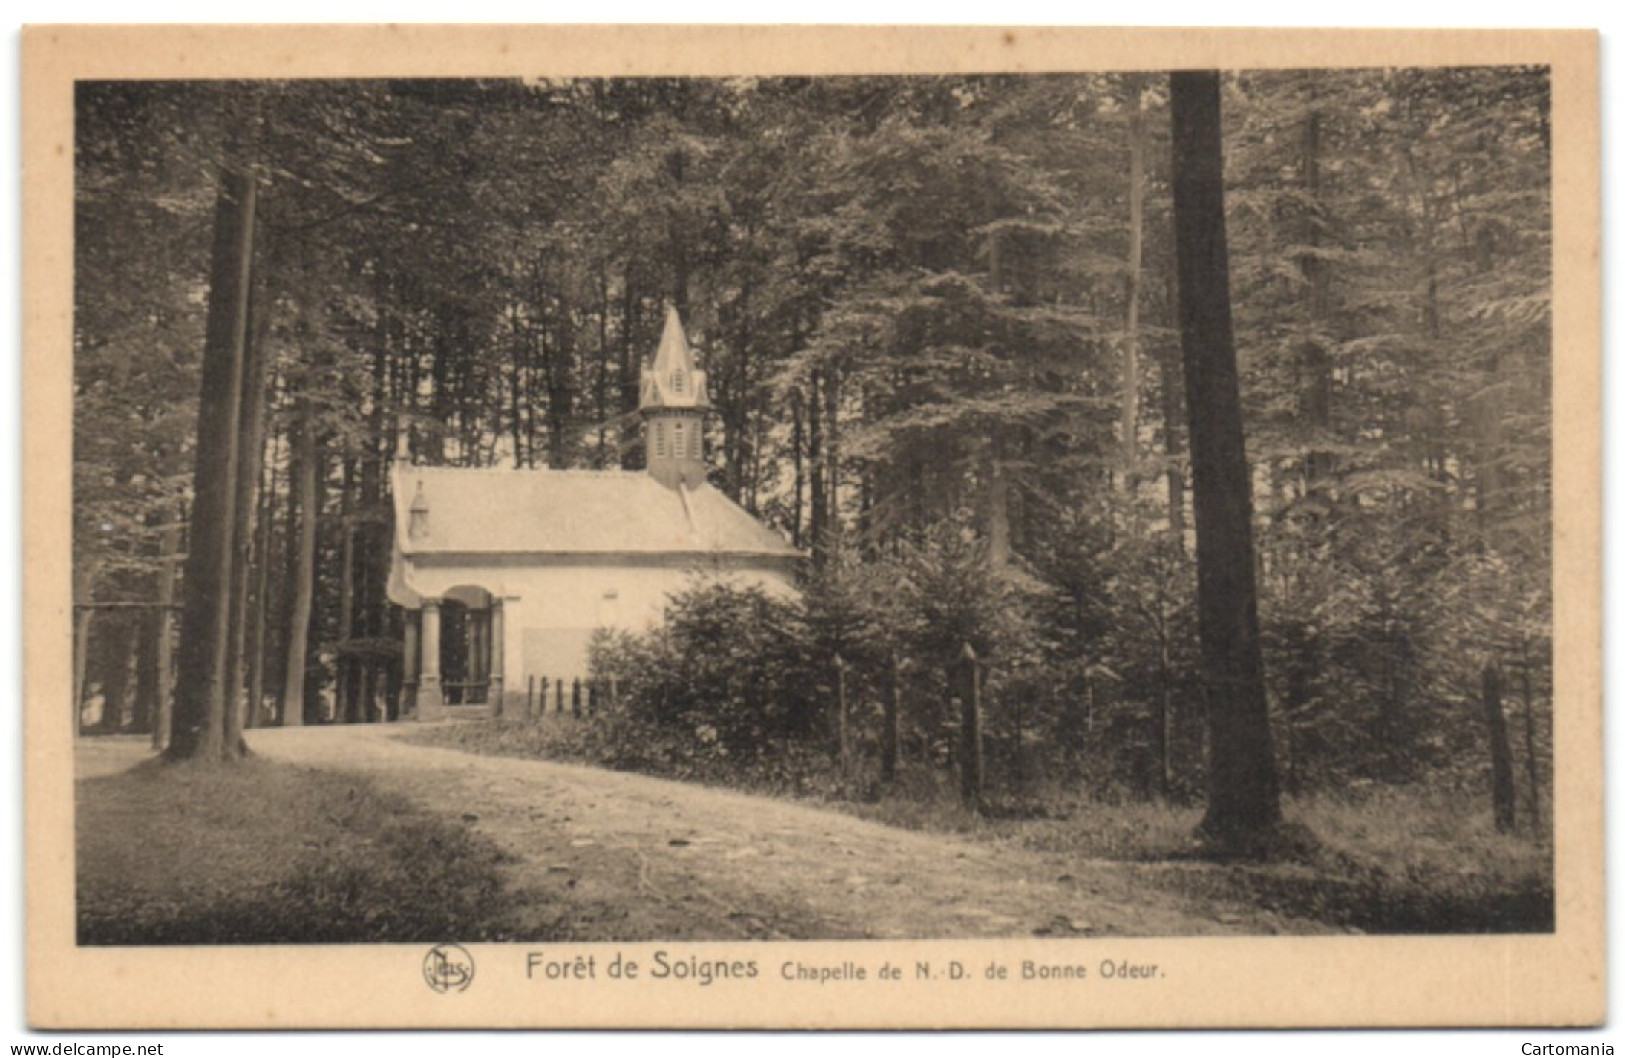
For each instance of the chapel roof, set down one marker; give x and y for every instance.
(561, 512)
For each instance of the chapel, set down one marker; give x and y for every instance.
(506, 573)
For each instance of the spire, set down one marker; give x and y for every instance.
(674, 402)
(672, 381)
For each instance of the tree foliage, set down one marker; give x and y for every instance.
(913, 296)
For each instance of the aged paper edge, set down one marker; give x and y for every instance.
(1555, 979)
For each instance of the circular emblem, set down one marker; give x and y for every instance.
(448, 968)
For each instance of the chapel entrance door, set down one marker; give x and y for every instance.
(466, 646)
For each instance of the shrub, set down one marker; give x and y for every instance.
(726, 677)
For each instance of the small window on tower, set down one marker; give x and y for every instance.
(660, 440)
(678, 447)
(677, 381)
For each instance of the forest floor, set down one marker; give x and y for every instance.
(555, 851)
(1375, 857)
(264, 852)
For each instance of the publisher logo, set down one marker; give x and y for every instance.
(448, 968)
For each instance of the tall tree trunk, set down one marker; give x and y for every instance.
(516, 387)
(144, 707)
(1163, 721)
(307, 473)
(1243, 789)
(969, 687)
(797, 446)
(1130, 425)
(817, 526)
(1531, 765)
(832, 459)
(368, 696)
(736, 418)
(1425, 418)
(259, 613)
(601, 388)
(758, 425)
(84, 590)
(344, 692)
(395, 674)
(203, 677)
(998, 503)
(1314, 360)
(1488, 453)
(169, 546)
(246, 486)
(891, 721)
(632, 455)
(560, 394)
(113, 656)
(1398, 748)
(1173, 437)
(843, 740)
(289, 559)
(372, 553)
(439, 401)
(1503, 796)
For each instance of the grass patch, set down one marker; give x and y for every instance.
(1388, 859)
(261, 852)
(1407, 859)
(1394, 860)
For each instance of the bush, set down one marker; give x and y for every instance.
(741, 682)
(725, 678)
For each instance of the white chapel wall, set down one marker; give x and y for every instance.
(550, 612)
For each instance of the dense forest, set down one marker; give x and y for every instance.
(941, 321)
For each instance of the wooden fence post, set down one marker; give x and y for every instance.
(970, 730)
(558, 695)
(575, 696)
(530, 697)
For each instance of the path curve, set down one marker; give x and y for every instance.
(606, 855)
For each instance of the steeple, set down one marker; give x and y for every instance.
(673, 401)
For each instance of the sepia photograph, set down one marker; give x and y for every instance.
(591, 514)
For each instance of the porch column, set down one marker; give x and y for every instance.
(494, 640)
(478, 629)
(409, 666)
(431, 700)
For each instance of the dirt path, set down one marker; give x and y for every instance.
(603, 855)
